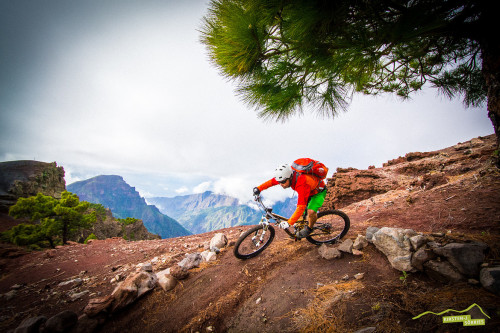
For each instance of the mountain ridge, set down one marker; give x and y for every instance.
(124, 201)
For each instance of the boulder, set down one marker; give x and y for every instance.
(61, 322)
(442, 271)
(417, 241)
(395, 244)
(328, 253)
(466, 257)
(192, 260)
(97, 305)
(490, 279)
(370, 231)
(133, 287)
(30, 325)
(218, 241)
(420, 257)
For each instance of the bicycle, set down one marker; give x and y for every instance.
(331, 226)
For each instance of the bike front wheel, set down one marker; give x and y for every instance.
(330, 227)
(253, 241)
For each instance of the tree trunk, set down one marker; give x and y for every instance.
(490, 49)
(65, 233)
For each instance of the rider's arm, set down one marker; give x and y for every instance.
(303, 190)
(268, 184)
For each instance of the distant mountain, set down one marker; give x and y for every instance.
(177, 206)
(124, 201)
(208, 211)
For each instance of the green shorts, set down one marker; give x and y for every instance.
(316, 201)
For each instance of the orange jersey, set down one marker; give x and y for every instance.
(305, 186)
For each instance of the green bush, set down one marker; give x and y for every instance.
(91, 236)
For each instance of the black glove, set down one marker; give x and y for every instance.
(256, 191)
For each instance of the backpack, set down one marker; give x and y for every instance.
(310, 167)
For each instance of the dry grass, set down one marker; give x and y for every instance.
(326, 313)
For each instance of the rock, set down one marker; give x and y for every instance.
(442, 271)
(422, 256)
(395, 244)
(357, 252)
(133, 287)
(192, 260)
(10, 294)
(30, 325)
(466, 257)
(359, 276)
(360, 243)
(370, 231)
(165, 280)
(219, 241)
(490, 279)
(208, 256)
(74, 296)
(145, 266)
(346, 246)
(417, 241)
(86, 324)
(179, 272)
(61, 322)
(328, 253)
(73, 283)
(98, 305)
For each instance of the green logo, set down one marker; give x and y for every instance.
(465, 319)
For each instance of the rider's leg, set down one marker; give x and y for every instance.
(311, 217)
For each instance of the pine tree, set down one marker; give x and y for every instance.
(286, 55)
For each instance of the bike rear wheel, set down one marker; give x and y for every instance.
(330, 227)
(253, 241)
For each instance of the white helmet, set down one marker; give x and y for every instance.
(283, 172)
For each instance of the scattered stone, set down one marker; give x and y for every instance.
(208, 256)
(219, 240)
(73, 283)
(360, 243)
(258, 300)
(133, 287)
(328, 253)
(366, 330)
(346, 246)
(16, 287)
(357, 252)
(359, 276)
(145, 266)
(74, 296)
(165, 280)
(490, 279)
(179, 272)
(10, 295)
(345, 277)
(61, 322)
(30, 325)
(192, 260)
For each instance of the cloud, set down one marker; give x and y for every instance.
(203, 187)
(182, 190)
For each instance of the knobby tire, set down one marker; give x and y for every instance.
(339, 223)
(245, 241)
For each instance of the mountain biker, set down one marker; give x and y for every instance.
(311, 191)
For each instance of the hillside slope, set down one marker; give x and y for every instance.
(289, 287)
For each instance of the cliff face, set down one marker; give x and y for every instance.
(413, 172)
(27, 178)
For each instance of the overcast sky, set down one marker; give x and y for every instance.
(126, 88)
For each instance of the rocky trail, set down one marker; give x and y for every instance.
(450, 196)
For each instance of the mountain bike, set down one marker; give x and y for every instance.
(330, 227)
